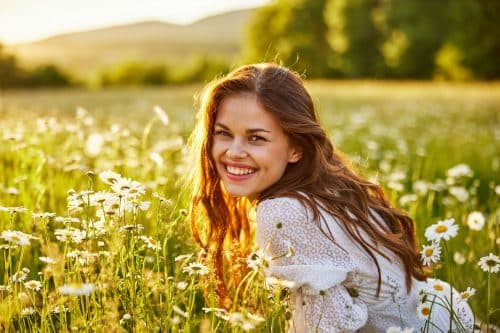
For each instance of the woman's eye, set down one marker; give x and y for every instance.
(222, 133)
(254, 138)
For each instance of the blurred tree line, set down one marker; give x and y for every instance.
(417, 39)
(12, 75)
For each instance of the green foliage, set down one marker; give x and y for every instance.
(11, 75)
(291, 31)
(455, 40)
(131, 73)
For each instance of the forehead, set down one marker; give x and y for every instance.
(244, 110)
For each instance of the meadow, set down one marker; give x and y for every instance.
(93, 209)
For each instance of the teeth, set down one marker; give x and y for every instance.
(239, 171)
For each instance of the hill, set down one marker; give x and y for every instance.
(151, 41)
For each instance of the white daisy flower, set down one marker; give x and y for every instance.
(430, 253)
(475, 221)
(183, 257)
(17, 237)
(468, 293)
(27, 311)
(490, 263)
(459, 171)
(33, 285)
(128, 187)
(109, 177)
(196, 268)
(437, 287)
(77, 289)
(424, 311)
(459, 258)
(258, 259)
(445, 229)
(182, 285)
(460, 193)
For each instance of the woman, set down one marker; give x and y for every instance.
(352, 257)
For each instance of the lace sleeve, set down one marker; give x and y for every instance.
(316, 266)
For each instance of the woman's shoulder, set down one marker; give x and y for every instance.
(282, 204)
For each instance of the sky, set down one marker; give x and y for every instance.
(30, 20)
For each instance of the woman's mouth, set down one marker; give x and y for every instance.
(239, 173)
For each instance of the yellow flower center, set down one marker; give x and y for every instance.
(426, 311)
(429, 252)
(441, 228)
(491, 263)
(438, 287)
(465, 295)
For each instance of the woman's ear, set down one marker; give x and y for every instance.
(294, 155)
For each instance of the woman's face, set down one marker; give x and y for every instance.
(250, 149)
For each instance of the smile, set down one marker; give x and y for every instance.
(239, 171)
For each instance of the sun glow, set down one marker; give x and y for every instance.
(30, 20)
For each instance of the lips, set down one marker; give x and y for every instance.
(239, 172)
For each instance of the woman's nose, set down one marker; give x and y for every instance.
(236, 150)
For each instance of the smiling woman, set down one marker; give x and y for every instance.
(249, 147)
(350, 257)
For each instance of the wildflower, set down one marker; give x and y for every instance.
(459, 193)
(43, 215)
(445, 229)
(421, 187)
(27, 311)
(407, 199)
(436, 287)
(65, 220)
(459, 171)
(475, 221)
(183, 256)
(490, 263)
(430, 253)
(424, 311)
(94, 144)
(459, 258)
(126, 187)
(175, 320)
(17, 237)
(196, 268)
(20, 275)
(150, 243)
(109, 177)
(6, 288)
(468, 293)
(161, 114)
(77, 289)
(258, 260)
(47, 260)
(33, 285)
(70, 234)
(182, 285)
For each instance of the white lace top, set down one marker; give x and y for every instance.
(335, 283)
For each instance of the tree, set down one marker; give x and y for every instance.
(293, 32)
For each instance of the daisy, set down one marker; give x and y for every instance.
(430, 253)
(33, 285)
(182, 285)
(424, 311)
(467, 293)
(475, 221)
(490, 263)
(17, 237)
(109, 177)
(128, 187)
(436, 287)
(77, 289)
(27, 311)
(445, 229)
(460, 170)
(196, 268)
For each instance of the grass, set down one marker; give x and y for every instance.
(135, 266)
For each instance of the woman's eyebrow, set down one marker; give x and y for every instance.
(249, 131)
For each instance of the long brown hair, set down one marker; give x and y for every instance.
(322, 174)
